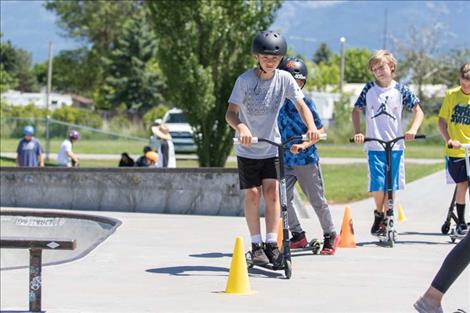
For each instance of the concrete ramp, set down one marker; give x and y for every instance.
(88, 230)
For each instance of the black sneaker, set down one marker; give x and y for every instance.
(259, 257)
(461, 229)
(330, 241)
(298, 240)
(378, 221)
(273, 254)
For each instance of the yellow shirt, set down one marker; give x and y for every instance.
(456, 111)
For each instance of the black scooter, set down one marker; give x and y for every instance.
(286, 251)
(390, 234)
(453, 233)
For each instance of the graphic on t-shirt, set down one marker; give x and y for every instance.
(383, 110)
(461, 114)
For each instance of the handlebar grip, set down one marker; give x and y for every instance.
(236, 141)
(323, 136)
(351, 139)
(420, 136)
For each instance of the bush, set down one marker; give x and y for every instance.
(153, 114)
(15, 118)
(72, 115)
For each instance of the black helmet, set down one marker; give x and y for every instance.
(269, 42)
(296, 67)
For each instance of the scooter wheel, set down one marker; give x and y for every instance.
(316, 247)
(452, 239)
(391, 239)
(288, 268)
(249, 259)
(445, 228)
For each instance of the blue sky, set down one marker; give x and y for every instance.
(28, 25)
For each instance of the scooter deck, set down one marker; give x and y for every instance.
(314, 245)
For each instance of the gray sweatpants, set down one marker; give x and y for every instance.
(311, 181)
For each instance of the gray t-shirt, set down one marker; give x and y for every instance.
(260, 101)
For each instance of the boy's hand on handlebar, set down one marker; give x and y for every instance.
(313, 135)
(359, 138)
(454, 144)
(244, 135)
(297, 148)
(410, 135)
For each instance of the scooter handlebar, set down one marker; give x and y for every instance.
(256, 140)
(417, 136)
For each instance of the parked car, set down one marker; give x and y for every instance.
(180, 130)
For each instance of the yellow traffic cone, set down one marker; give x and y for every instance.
(401, 215)
(280, 235)
(346, 237)
(238, 282)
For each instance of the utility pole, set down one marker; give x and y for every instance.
(385, 29)
(48, 101)
(342, 41)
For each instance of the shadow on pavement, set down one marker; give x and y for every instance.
(211, 255)
(400, 242)
(184, 270)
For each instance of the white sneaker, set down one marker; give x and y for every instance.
(423, 306)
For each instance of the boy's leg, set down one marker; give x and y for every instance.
(294, 224)
(311, 182)
(252, 198)
(298, 239)
(456, 174)
(271, 199)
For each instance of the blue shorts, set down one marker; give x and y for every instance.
(377, 166)
(455, 170)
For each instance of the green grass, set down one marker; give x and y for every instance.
(345, 183)
(85, 146)
(413, 150)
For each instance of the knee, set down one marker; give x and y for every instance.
(270, 194)
(252, 195)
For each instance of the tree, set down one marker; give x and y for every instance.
(74, 71)
(131, 68)
(323, 54)
(97, 22)
(356, 61)
(204, 45)
(16, 66)
(418, 52)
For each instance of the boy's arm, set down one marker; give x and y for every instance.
(231, 116)
(41, 159)
(307, 118)
(418, 119)
(296, 148)
(442, 124)
(356, 120)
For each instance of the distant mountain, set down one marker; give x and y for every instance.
(28, 25)
(308, 23)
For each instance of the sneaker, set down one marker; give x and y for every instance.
(259, 257)
(461, 229)
(423, 306)
(273, 254)
(378, 221)
(330, 242)
(298, 240)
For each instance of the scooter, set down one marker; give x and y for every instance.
(453, 233)
(286, 251)
(450, 216)
(389, 235)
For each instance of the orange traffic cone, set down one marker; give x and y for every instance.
(347, 239)
(238, 282)
(280, 236)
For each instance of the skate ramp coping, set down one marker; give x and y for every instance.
(87, 230)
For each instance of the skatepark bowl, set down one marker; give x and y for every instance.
(88, 231)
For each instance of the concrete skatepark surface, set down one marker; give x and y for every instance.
(180, 263)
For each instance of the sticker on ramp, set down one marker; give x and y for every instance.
(32, 221)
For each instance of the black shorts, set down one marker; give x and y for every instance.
(456, 172)
(252, 171)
